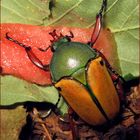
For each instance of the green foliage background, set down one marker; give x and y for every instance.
(122, 17)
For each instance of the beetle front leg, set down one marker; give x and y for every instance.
(96, 30)
(30, 54)
(98, 24)
(35, 60)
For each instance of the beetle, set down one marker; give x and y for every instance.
(82, 75)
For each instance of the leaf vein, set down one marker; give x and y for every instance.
(37, 6)
(19, 5)
(129, 16)
(125, 29)
(136, 37)
(108, 9)
(13, 12)
(128, 60)
(66, 12)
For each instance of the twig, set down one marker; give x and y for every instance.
(35, 111)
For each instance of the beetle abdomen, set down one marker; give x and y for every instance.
(96, 110)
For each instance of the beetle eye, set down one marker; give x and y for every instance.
(101, 62)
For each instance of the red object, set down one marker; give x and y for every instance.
(14, 60)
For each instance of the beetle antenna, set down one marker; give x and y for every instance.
(98, 24)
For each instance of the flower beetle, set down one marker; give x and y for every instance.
(82, 75)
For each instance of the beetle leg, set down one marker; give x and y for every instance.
(96, 30)
(98, 24)
(30, 54)
(44, 50)
(70, 36)
(35, 60)
(118, 82)
(73, 124)
(55, 36)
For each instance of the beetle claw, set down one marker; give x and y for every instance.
(70, 36)
(55, 36)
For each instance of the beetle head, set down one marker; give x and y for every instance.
(58, 39)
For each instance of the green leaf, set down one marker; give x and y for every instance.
(62, 106)
(37, 12)
(121, 17)
(24, 11)
(123, 20)
(14, 90)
